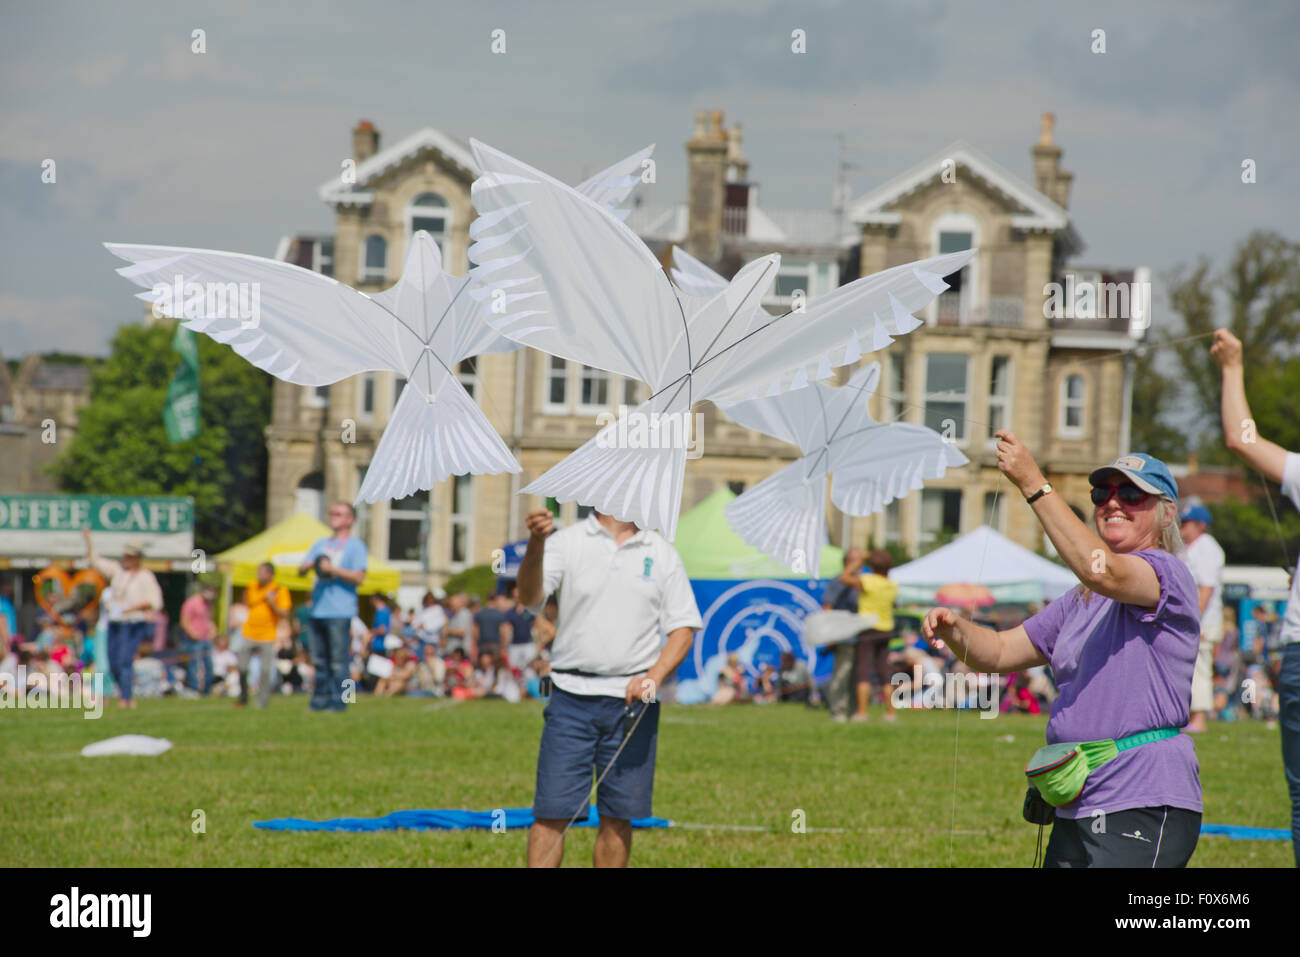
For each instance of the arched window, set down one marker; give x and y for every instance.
(950, 233)
(309, 496)
(1069, 423)
(430, 212)
(374, 262)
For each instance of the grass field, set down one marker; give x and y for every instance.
(890, 788)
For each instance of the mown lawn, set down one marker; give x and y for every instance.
(870, 794)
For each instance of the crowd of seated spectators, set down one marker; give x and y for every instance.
(916, 670)
(456, 647)
(54, 653)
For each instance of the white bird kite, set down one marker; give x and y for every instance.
(557, 272)
(870, 464)
(784, 516)
(312, 330)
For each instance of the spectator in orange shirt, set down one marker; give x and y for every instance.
(268, 605)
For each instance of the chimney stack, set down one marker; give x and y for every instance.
(1050, 180)
(737, 165)
(365, 141)
(707, 154)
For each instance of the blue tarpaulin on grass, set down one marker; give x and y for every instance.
(441, 820)
(1238, 833)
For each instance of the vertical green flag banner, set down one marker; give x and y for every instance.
(181, 413)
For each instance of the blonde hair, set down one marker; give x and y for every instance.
(1169, 538)
(1171, 533)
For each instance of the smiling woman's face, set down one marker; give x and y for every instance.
(1125, 527)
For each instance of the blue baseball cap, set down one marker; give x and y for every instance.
(1195, 513)
(1145, 471)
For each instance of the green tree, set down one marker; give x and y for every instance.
(121, 447)
(1260, 295)
(1257, 297)
(1273, 390)
(1249, 536)
(476, 580)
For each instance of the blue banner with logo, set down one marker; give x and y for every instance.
(754, 620)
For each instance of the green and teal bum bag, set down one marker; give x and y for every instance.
(1060, 771)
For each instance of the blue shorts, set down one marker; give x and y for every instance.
(581, 735)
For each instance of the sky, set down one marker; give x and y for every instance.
(154, 143)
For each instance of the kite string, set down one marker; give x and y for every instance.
(1281, 538)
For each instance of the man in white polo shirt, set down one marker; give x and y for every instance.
(1205, 559)
(621, 589)
(1279, 465)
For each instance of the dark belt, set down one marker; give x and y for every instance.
(590, 674)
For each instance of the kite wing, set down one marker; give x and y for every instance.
(429, 439)
(610, 187)
(313, 330)
(295, 324)
(784, 516)
(635, 468)
(632, 469)
(436, 429)
(884, 462)
(556, 271)
(778, 353)
(796, 417)
(693, 277)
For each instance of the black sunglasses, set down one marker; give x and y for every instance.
(1128, 493)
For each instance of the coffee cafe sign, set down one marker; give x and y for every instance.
(49, 526)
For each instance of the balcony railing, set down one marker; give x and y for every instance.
(735, 220)
(996, 311)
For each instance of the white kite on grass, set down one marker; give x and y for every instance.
(312, 330)
(870, 464)
(557, 272)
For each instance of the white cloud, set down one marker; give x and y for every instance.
(68, 322)
(98, 72)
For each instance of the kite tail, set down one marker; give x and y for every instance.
(784, 517)
(431, 436)
(632, 469)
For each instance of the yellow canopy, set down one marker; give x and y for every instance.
(284, 545)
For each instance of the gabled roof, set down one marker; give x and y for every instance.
(775, 227)
(335, 192)
(1036, 211)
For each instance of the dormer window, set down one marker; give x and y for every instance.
(953, 233)
(430, 212)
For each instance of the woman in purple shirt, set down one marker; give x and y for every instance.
(1122, 647)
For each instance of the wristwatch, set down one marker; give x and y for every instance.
(1046, 489)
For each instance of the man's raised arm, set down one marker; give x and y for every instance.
(1239, 432)
(531, 587)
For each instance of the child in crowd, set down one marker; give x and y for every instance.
(225, 668)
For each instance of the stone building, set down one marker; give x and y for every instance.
(40, 403)
(994, 351)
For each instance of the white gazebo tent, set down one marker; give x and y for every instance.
(983, 557)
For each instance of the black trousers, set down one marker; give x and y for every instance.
(1139, 837)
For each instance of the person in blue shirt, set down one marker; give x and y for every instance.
(340, 565)
(383, 624)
